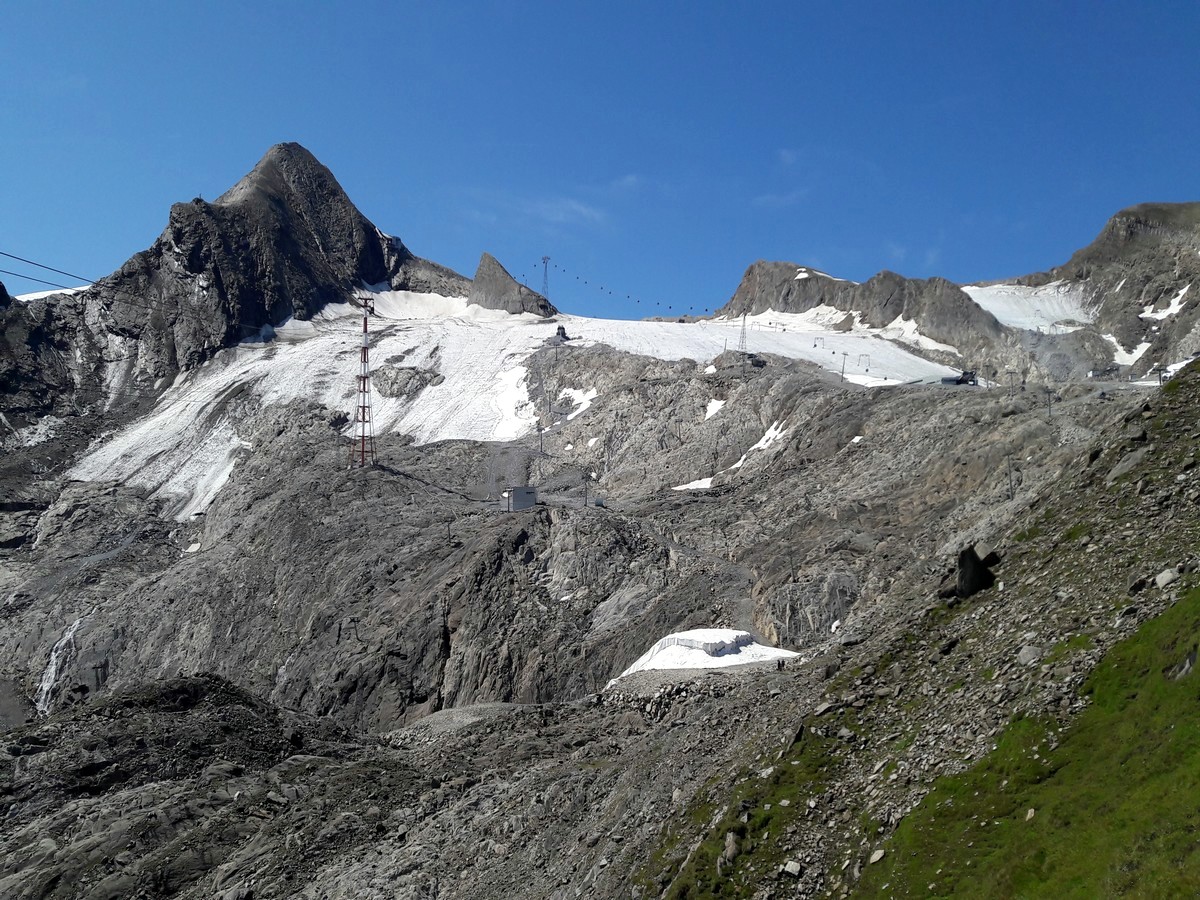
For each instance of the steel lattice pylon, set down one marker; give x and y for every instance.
(362, 437)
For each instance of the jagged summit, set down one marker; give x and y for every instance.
(943, 312)
(494, 288)
(282, 243)
(284, 170)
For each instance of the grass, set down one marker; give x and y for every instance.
(800, 773)
(1028, 534)
(1066, 649)
(1075, 532)
(1115, 803)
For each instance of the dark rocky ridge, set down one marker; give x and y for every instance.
(494, 288)
(1141, 259)
(283, 242)
(942, 310)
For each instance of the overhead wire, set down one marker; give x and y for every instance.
(629, 296)
(248, 329)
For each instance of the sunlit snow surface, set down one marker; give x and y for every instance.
(705, 648)
(38, 295)
(1123, 357)
(185, 449)
(1054, 307)
(1173, 308)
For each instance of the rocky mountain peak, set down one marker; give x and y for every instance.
(283, 242)
(494, 288)
(1136, 234)
(940, 308)
(286, 171)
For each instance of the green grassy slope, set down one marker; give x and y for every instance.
(1115, 798)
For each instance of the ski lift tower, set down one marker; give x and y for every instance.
(362, 438)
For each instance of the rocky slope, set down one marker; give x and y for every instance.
(943, 311)
(1134, 281)
(378, 682)
(1135, 271)
(193, 788)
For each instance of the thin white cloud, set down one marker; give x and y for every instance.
(562, 211)
(484, 217)
(895, 252)
(514, 211)
(780, 201)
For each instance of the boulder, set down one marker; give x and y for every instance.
(973, 575)
(1166, 577)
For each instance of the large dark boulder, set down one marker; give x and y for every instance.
(973, 575)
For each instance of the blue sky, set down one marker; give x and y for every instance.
(652, 148)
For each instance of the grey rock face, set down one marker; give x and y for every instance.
(494, 288)
(941, 309)
(1141, 260)
(283, 242)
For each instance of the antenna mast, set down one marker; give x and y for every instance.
(362, 439)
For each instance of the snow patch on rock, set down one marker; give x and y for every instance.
(704, 648)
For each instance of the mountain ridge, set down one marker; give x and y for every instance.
(232, 666)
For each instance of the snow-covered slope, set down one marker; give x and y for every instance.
(1056, 307)
(476, 362)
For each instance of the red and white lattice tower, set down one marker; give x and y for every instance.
(362, 437)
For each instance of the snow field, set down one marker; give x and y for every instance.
(186, 448)
(704, 648)
(1055, 306)
(1123, 357)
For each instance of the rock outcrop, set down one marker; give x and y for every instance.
(1143, 273)
(940, 309)
(283, 242)
(494, 288)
